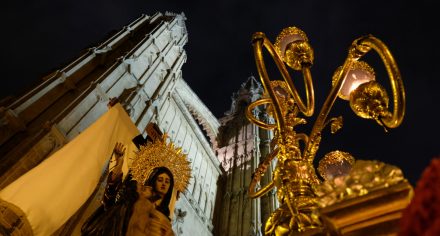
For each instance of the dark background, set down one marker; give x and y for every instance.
(40, 36)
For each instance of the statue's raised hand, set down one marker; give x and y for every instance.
(118, 151)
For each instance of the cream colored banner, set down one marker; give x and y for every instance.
(53, 191)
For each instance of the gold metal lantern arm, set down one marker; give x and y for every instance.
(367, 110)
(260, 40)
(397, 87)
(261, 169)
(254, 120)
(299, 56)
(294, 176)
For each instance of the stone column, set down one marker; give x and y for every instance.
(267, 201)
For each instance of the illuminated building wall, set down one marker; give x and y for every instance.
(140, 66)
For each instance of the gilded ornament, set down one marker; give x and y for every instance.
(285, 100)
(293, 48)
(157, 154)
(356, 65)
(299, 191)
(334, 164)
(364, 177)
(336, 124)
(370, 101)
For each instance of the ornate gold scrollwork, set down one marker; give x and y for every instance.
(398, 90)
(294, 176)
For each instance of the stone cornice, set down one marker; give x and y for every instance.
(191, 121)
(191, 100)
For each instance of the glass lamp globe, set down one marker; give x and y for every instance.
(359, 73)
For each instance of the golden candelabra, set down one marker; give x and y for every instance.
(307, 203)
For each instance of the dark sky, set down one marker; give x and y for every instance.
(40, 36)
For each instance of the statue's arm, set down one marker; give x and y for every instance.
(114, 180)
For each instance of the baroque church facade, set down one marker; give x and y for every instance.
(140, 66)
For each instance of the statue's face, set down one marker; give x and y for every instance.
(162, 184)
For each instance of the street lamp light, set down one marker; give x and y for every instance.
(294, 176)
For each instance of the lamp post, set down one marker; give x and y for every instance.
(295, 177)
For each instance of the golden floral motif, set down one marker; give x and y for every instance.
(293, 47)
(364, 177)
(336, 124)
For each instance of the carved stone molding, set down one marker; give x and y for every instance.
(10, 124)
(51, 142)
(196, 107)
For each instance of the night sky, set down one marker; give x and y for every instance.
(41, 36)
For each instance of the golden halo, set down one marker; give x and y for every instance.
(161, 154)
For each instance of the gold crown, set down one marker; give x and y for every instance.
(161, 154)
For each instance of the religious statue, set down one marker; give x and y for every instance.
(142, 202)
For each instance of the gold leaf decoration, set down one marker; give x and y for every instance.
(336, 124)
(158, 154)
